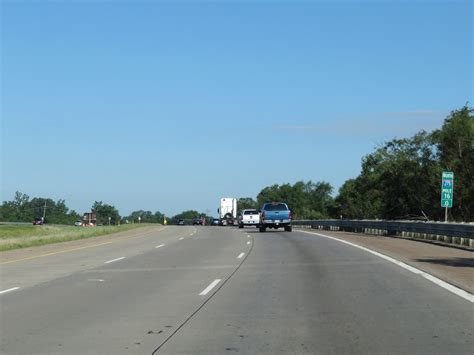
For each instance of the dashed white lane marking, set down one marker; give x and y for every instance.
(248, 243)
(241, 255)
(210, 287)
(160, 246)
(248, 236)
(9, 290)
(456, 290)
(111, 261)
(181, 238)
(96, 280)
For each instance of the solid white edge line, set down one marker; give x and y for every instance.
(447, 286)
(111, 261)
(160, 246)
(241, 255)
(210, 287)
(9, 290)
(181, 238)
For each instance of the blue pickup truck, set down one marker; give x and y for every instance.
(275, 215)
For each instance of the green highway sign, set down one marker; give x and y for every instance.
(447, 189)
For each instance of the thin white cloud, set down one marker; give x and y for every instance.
(413, 113)
(386, 123)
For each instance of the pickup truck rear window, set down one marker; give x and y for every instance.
(251, 212)
(276, 207)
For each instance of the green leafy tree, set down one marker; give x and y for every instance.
(245, 203)
(307, 200)
(103, 211)
(22, 209)
(56, 212)
(269, 194)
(159, 217)
(319, 201)
(19, 209)
(402, 177)
(349, 200)
(399, 179)
(455, 143)
(145, 216)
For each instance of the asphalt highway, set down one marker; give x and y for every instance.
(223, 290)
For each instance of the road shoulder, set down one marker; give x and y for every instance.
(452, 265)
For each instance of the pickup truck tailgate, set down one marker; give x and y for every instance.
(277, 215)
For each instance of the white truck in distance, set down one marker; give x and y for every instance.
(227, 211)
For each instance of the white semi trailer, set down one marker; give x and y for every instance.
(227, 211)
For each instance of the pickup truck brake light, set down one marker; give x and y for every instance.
(290, 215)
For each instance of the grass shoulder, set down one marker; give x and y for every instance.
(23, 236)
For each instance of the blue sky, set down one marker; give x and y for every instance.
(169, 106)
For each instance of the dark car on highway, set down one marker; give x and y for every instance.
(38, 222)
(198, 221)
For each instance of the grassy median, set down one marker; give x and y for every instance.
(23, 236)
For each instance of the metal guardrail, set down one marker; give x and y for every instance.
(456, 233)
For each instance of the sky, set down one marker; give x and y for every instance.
(169, 106)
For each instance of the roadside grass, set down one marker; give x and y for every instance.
(23, 236)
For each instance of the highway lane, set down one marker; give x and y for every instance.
(125, 307)
(298, 293)
(225, 290)
(63, 259)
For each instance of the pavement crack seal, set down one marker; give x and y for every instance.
(217, 289)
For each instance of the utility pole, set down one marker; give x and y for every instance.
(44, 211)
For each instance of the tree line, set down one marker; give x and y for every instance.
(307, 200)
(403, 177)
(400, 179)
(25, 209)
